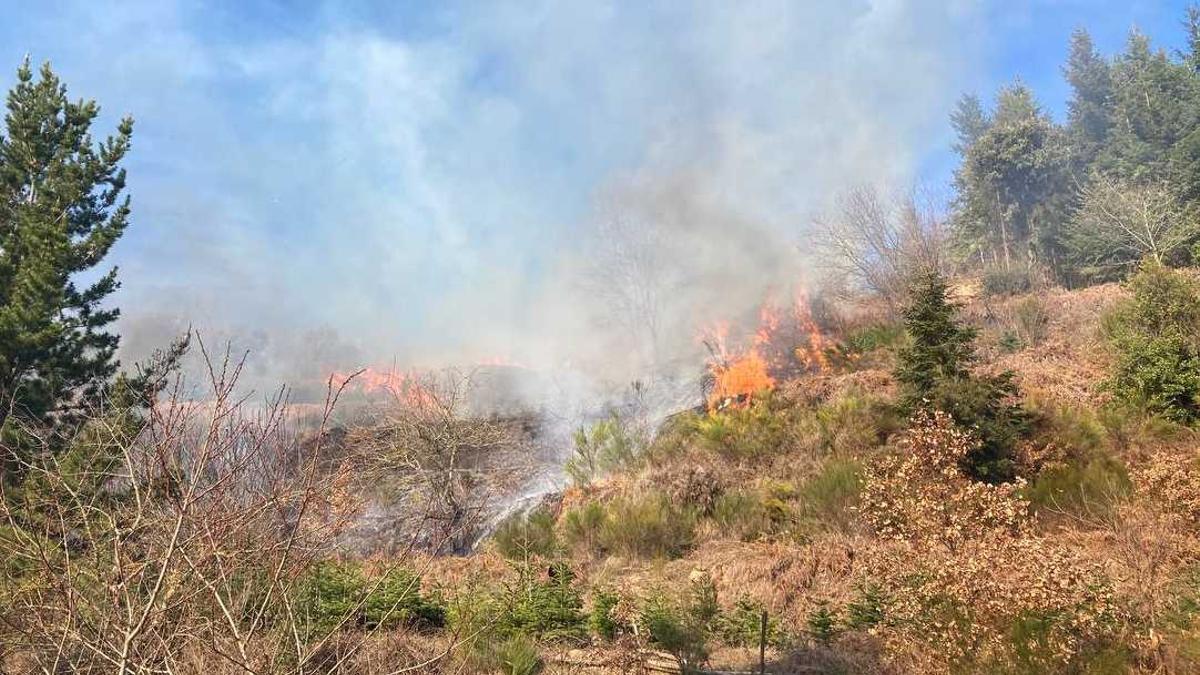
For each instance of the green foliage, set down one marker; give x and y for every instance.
(527, 534)
(939, 347)
(600, 619)
(671, 630)
(61, 210)
(549, 607)
(395, 599)
(933, 371)
(1013, 184)
(518, 655)
(860, 344)
(742, 625)
(865, 611)
(827, 499)
(581, 526)
(609, 444)
(854, 423)
(645, 526)
(334, 595)
(1031, 320)
(1089, 486)
(822, 624)
(1155, 337)
(756, 430)
(743, 514)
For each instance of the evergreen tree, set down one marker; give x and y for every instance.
(934, 372)
(969, 121)
(61, 210)
(1154, 110)
(1089, 113)
(1013, 184)
(939, 348)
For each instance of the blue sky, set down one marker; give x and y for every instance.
(330, 182)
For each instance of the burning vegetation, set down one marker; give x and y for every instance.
(786, 343)
(977, 468)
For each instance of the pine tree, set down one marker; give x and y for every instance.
(969, 121)
(1089, 113)
(1013, 184)
(61, 210)
(934, 373)
(939, 348)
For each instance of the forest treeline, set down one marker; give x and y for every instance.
(1087, 198)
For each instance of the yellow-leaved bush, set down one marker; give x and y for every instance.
(964, 582)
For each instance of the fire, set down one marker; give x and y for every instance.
(404, 387)
(737, 381)
(785, 343)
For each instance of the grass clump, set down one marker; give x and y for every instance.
(1088, 486)
(518, 655)
(827, 499)
(524, 535)
(606, 446)
(649, 526)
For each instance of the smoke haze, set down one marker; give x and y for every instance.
(465, 181)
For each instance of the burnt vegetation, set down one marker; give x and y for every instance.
(973, 449)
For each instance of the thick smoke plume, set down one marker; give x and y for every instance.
(558, 185)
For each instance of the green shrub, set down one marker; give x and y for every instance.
(866, 611)
(328, 597)
(674, 631)
(527, 534)
(1090, 486)
(742, 513)
(601, 620)
(1155, 337)
(518, 655)
(742, 626)
(396, 600)
(647, 527)
(873, 338)
(756, 430)
(1031, 320)
(822, 624)
(854, 422)
(550, 608)
(1010, 342)
(581, 526)
(828, 497)
(608, 445)
(337, 594)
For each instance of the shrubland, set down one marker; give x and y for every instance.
(989, 466)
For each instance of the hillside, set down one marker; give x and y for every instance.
(760, 508)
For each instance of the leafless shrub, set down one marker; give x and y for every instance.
(445, 462)
(1119, 223)
(178, 544)
(877, 242)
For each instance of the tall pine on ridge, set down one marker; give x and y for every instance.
(61, 210)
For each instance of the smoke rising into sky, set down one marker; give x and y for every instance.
(375, 182)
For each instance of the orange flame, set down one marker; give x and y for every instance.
(406, 388)
(781, 345)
